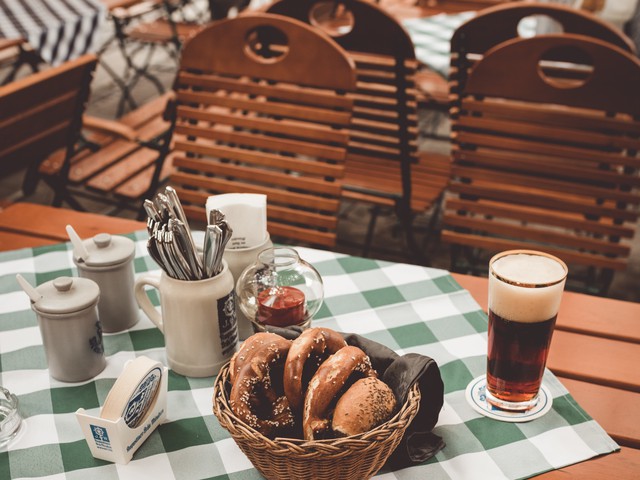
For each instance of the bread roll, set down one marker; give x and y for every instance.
(325, 386)
(369, 402)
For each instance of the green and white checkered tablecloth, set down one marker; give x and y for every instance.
(408, 308)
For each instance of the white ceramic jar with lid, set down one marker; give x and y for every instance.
(71, 331)
(110, 264)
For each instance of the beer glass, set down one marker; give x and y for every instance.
(525, 289)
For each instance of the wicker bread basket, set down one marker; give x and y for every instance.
(352, 458)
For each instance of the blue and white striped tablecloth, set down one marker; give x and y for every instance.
(431, 37)
(59, 30)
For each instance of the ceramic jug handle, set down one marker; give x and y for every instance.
(143, 299)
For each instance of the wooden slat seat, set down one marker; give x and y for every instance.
(125, 163)
(539, 165)
(277, 127)
(429, 177)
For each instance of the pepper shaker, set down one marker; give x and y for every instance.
(108, 261)
(71, 331)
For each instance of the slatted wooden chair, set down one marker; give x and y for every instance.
(42, 113)
(114, 163)
(495, 24)
(265, 111)
(384, 168)
(547, 163)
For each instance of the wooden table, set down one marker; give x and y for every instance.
(595, 349)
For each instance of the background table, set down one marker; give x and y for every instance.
(431, 37)
(409, 308)
(59, 30)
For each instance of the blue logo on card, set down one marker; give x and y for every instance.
(101, 437)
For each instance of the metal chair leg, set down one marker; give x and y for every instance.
(375, 212)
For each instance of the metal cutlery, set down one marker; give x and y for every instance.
(171, 243)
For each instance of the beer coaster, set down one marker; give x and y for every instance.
(475, 395)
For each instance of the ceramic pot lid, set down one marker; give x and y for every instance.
(105, 250)
(67, 295)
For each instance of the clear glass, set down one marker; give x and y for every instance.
(279, 289)
(10, 419)
(525, 289)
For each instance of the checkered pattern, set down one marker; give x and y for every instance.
(431, 37)
(59, 30)
(408, 308)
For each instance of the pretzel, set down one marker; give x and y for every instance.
(316, 342)
(253, 398)
(325, 386)
(249, 347)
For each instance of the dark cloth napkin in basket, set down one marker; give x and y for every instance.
(401, 373)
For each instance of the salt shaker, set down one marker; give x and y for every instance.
(71, 332)
(108, 261)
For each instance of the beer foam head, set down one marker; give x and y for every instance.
(518, 295)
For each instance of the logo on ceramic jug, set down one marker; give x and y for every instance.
(228, 323)
(141, 398)
(95, 342)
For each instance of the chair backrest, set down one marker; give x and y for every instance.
(548, 164)
(42, 112)
(495, 25)
(265, 111)
(385, 119)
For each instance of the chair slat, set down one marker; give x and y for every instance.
(276, 195)
(561, 167)
(499, 244)
(295, 129)
(266, 176)
(300, 112)
(547, 149)
(116, 175)
(265, 142)
(540, 132)
(501, 193)
(262, 158)
(529, 214)
(289, 93)
(545, 182)
(529, 233)
(553, 115)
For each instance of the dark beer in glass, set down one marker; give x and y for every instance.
(525, 289)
